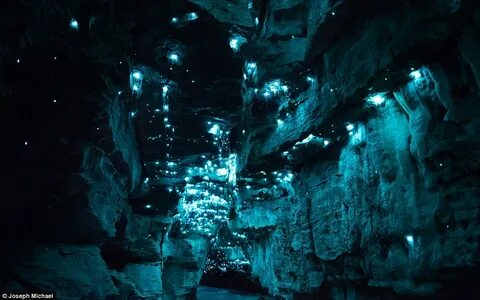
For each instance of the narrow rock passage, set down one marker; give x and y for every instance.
(240, 149)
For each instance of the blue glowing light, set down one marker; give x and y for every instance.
(409, 239)
(376, 99)
(191, 16)
(251, 68)
(192, 191)
(215, 129)
(310, 79)
(326, 143)
(165, 89)
(221, 172)
(280, 122)
(232, 168)
(174, 58)
(148, 206)
(174, 20)
(236, 42)
(74, 24)
(350, 127)
(273, 88)
(136, 79)
(308, 139)
(137, 75)
(416, 74)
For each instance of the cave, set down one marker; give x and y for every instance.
(240, 149)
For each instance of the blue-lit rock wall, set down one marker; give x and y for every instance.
(392, 208)
(381, 143)
(349, 171)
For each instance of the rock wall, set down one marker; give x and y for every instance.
(384, 197)
(355, 172)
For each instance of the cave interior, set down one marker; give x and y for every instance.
(240, 149)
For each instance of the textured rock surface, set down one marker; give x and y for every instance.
(97, 199)
(350, 170)
(392, 202)
(184, 262)
(49, 268)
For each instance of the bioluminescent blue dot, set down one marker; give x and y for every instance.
(273, 88)
(376, 99)
(326, 143)
(136, 79)
(409, 239)
(221, 172)
(236, 42)
(192, 191)
(165, 89)
(74, 24)
(174, 58)
(137, 75)
(215, 129)
(251, 68)
(350, 127)
(191, 16)
(280, 122)
(148, 206)
(174, 20)
(416, 74)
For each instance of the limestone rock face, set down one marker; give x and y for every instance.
(234, 12)
(348, 169)
(95, 204)
(389, 202)
(140, 281)
(184, 262)
(49, 268)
